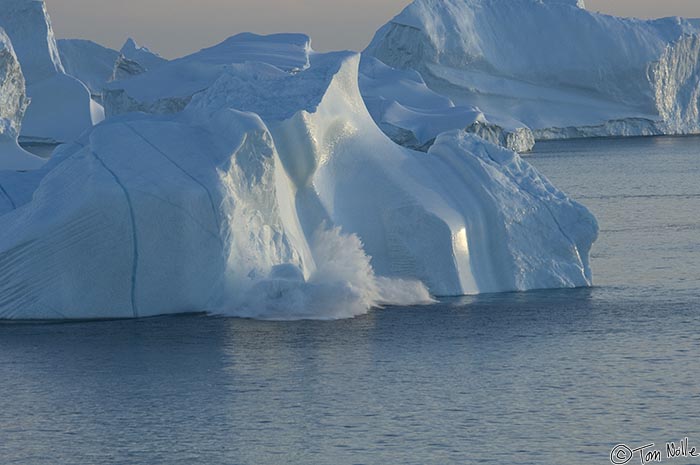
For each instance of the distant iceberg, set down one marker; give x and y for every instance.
(168, 88)
(550, 66)
(145, 57)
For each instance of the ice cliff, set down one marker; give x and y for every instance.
(551, 66)
(676, 83)
(273, 194)
(60, 107)
(13, 103)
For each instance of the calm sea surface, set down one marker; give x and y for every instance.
(556, 377)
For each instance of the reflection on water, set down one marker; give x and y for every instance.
(645, 193)
(552, 377)
(544, 377)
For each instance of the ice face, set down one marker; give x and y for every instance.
(13, 103)
(28, 25)
(12, 90)
(675, 80)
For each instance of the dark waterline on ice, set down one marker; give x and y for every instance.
(39, 149)
(547, 377)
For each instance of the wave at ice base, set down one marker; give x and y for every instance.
(274, 195)
(554, 67)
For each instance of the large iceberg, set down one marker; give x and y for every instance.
(13, 103)
(274, 194)
(552, 66)
(61, 107)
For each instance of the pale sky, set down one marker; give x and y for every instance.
(177, 27)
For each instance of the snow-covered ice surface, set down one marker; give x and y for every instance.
(13, 104)
(551, 65)
(61, 107)
(274, 195)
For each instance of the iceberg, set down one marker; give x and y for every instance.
(169, 87)
(413, 115)
(146, 58)
(95, 65)
(551, 67)
(91, 63)
(61, 107)
(134, 60)
(13, 103)
(274, 194)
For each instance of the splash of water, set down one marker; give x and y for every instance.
(343, 285)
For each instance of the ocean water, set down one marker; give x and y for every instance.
(555, 377)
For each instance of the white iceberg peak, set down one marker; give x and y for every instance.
(141, 55)
(129, 46)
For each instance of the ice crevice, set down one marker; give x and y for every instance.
(8, 197)
(215, 216)
(134, 236)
